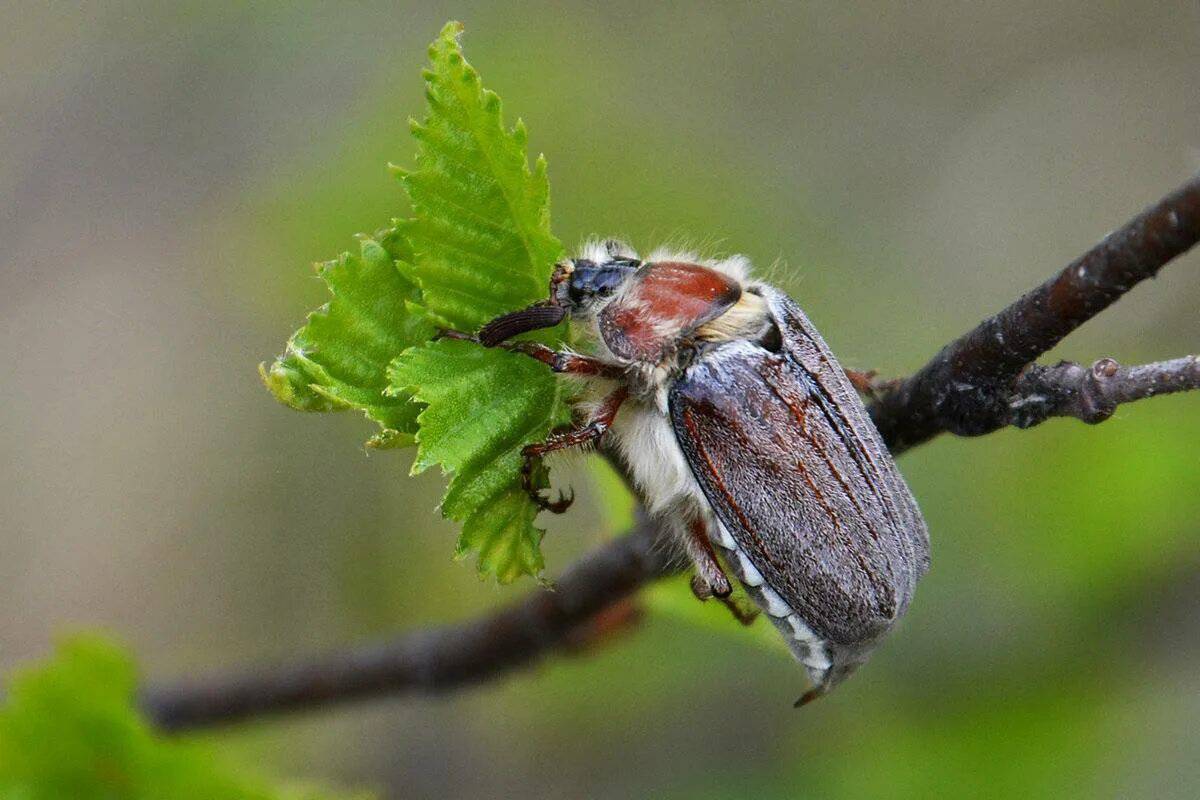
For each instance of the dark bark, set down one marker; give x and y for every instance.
(431, 660)
(1093, 393)
(966, 388)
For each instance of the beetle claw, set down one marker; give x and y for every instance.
(544, 503)
(809, 696)
(701, 589)
(558, 506)
(745, 616)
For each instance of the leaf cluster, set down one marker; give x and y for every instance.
(478, 244)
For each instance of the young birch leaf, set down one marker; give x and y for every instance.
(339, 359)
(481, 247)
(481, 232)
(483, 407)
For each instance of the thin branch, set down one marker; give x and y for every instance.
(983, 381)
(1093, 393)
(964, 388)
(431, 660)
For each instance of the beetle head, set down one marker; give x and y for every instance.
(577, 285)
(580, 284)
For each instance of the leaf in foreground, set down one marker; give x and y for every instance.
(69, 729)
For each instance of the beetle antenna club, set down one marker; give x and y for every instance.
(746, 438)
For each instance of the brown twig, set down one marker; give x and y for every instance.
(1093, 393)
(978, 383)
(430, 660)
(965, 388)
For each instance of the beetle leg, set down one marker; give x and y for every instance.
(863, 381)
(810, 695)
(701, 589)
(568, 363)
(545, 504)
(869, 384)
(708, 569)
(742, 615)
(584, 434)
(710, 580)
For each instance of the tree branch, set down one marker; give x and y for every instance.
(978, 383)
(965, 388)
(1093, 393)
(432, 660)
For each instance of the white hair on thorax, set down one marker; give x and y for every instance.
(602, 249)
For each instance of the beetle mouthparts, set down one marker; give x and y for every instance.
(515, 323)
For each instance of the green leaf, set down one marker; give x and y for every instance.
(481, 235)
(339, 359)
(481, 247)
(483, 406)
(69, 729)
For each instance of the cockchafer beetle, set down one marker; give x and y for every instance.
(745, 436)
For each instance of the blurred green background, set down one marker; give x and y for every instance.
(168, 172)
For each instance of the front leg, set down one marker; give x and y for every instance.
(560, 362)
(588, 433)
(567, 363)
